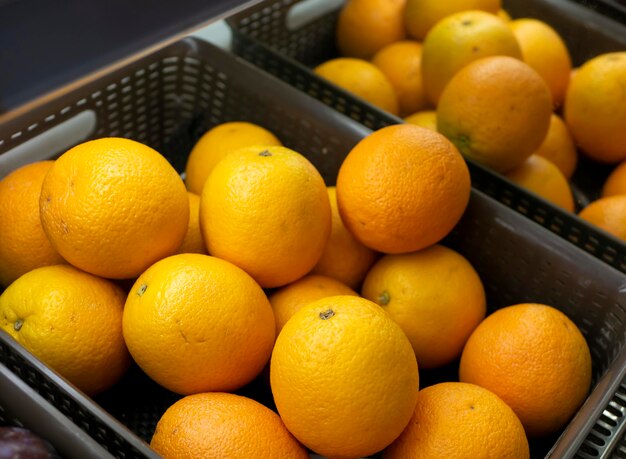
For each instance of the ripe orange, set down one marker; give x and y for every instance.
(608, 214)
(344, 377)
(545, 51)
(23, 244)
(216, 143)
(344, 258)
(459, 39)
(365, 26)
(615, 183)
(421, 15)
(426, 119)
(535, 359)
(193, 242)
(113, 206)
(72, 321)
(436, 297)
(401, 62)
(459, 420)
(496, 110)
(558, 146)
(196, 323)
(267, 211)
(218, 424)
(595, 107)
(292, 297)
(541, 176)
(504, 15)
(402, 188)
(363, 79)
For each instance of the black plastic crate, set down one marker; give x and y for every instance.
(170, 98)
(21, 406)
(265, 35)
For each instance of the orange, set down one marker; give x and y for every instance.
(436, 297)
(609, 214)
(401, 62)
(23, 244)
(291, 298)
(421, 15)
(216, 143)
(344, 377)
(460, 420)
(545, 51)
(218, 424)
(558, 146)
(113, 206)
(426, 119)
(535, 359)
(193, 242)
(267, 211)
(459, 39)
(497, 111)
(361, 78)
(541, 176)
(344, 258)
(615, 183)
(72, 321)
(504, 15)
(595, 107)
(402, 188)
(366, 26)
(196, 323)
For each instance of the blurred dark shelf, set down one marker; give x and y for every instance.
(46, 44)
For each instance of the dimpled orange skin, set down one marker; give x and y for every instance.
(366, 26)
(402, 188)
(435, 295)
(459, 39)
(219, 424)
(113, 206)
(535, 359)
(72, 321)
(615, 183)
(595, 107)
(23, 244)
(421, 15)
(196, 323)
(193, 242)
(426, 119)
(289, 299)
(267, 211)
(344, 258)
(496, 110)
(459, 420)
(541, 176)
(363, 79)
(545, 51)
(608, 213)
(344, 377)
(401, 62)
(558, 146)
(216, 143)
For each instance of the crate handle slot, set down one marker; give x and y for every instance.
(307, 11)
(49, 143)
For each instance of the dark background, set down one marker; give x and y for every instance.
(45, 44)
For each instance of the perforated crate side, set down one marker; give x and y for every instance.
(284, 52)
(42, 381)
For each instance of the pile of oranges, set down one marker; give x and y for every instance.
(335, 296)
(503, 90)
